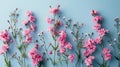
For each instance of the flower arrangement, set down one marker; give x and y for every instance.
(60, 50)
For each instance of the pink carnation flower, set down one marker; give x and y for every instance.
(51, 29)
(31, 18)
(102, 32)
(97, 19)
(4, 36)
(89, 60)
(68, 45)
(98, 40)
(97, 26)
(62, 50)
(71, 57)
(28, 39)
(54, 10)
(94, 12)
(106, 54)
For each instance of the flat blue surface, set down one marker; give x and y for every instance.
(78, 10)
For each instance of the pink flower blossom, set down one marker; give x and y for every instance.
(36, 58)
(98, 40)
(28, 39)
(106, 54)
(89, 60)
(32, 27)
(4, 36)
(4, 49)
(58, 23)
(51, 29)
(97, 19)
(50, 20)
(26, 32)
(54, 10)
(94, 12)
(71, 57)
(97, 26)
(31, 18)
(68, 45)
(50, 52)
(87, 53)
(25, 22)
(28, 13)
(62, 38)
(102, 32)
(62, 50)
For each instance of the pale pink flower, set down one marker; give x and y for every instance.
(62, 50)
(97, 19)
(97, 26)
(26, 32)
(51, 29)
(4, 36)
(28, 13)
(25, 22)
(89, 60)
(98, 40)
(68, 45)
(50, 20)
(28, 39)
(54, 10)
(4, 49)
(31, 18)
(32, 27)
(71, 57)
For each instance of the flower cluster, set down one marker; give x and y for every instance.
(36, 58)
(106, 54)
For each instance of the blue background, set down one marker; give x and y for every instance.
(78, 10)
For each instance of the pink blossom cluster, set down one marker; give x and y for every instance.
(36, 58)
(4, 36)
(89, 61)
(106, 54)
(31, 27)
(65, 45)
(4, 49)
(90, 44)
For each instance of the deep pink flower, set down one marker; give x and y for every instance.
(31, 18)
(106, 54)
(97, 26)
(71, 57)
(50, 52)
(28, 39)
(97, 19)
(89, 60)
(58, 23)
(26, 32)
(4, 36)
(32, 27)
(102, 32)
(28, 13)
(50, 20)
(98, 40)
(25, 22)
(54, 10)
(87, 53)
